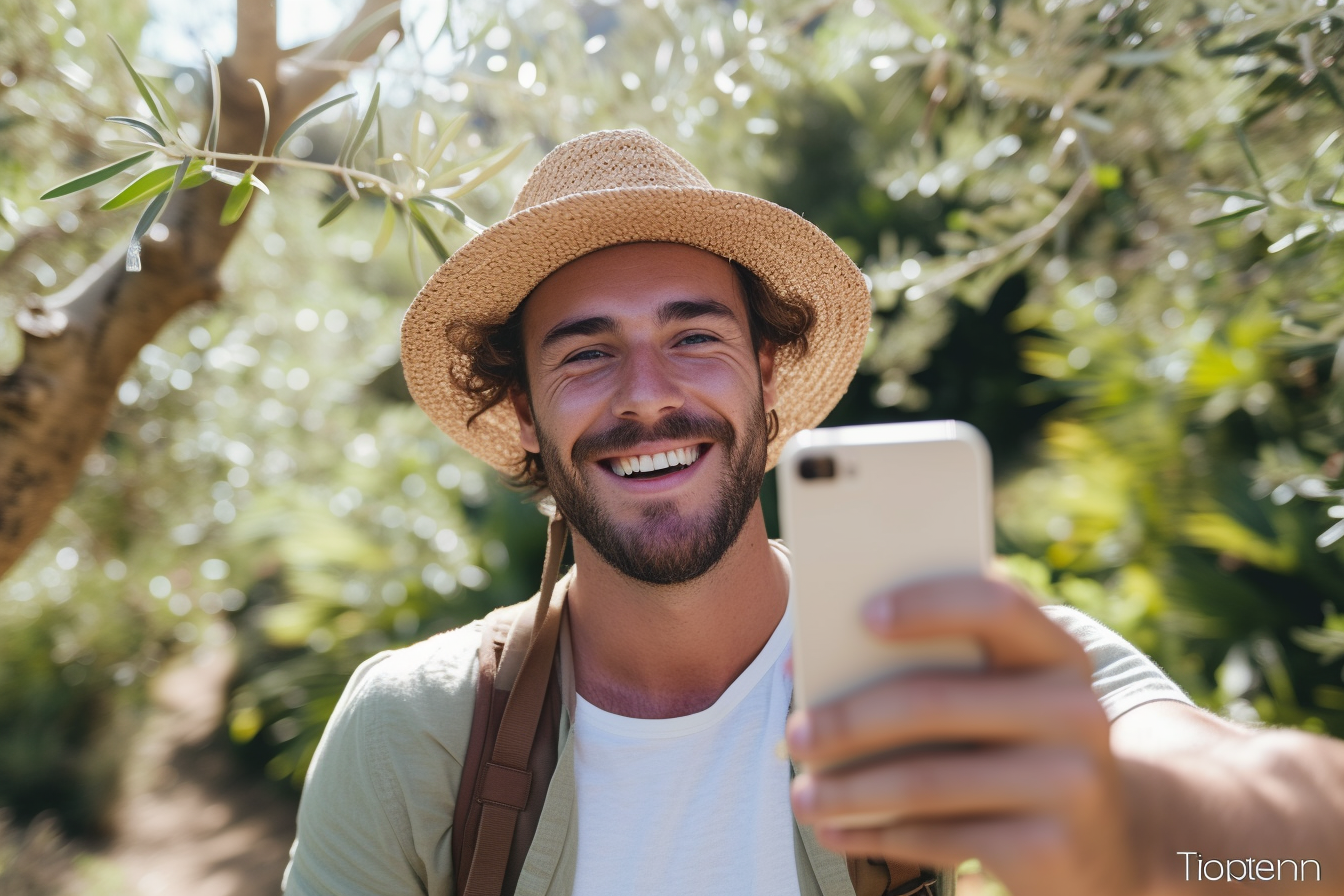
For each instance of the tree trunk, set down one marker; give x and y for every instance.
(55, 406)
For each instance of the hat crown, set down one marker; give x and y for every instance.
(606, 160)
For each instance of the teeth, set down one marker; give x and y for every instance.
(647, 463)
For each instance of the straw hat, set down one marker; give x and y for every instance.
(605, 189)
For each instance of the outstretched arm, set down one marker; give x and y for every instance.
(1210, 799)
(1050, 795)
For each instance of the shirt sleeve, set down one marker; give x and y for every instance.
(353, 834)
(376, 816)
(1122, 676)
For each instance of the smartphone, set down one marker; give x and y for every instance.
(866, 508)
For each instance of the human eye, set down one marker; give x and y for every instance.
(588, 354)
(698, 339)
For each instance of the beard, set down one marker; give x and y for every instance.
(666, 546)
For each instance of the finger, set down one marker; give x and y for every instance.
(999, 842)
(996, 781)
(1010, 625)
(1044, 707)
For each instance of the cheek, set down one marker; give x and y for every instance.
(565, 409)
(723, 380)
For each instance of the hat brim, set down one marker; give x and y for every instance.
(489, 276)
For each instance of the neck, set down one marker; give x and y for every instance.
(660, 651)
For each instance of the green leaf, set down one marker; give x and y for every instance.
(349, 138)
(173, 123)
(415, 132)
(490, 170)
(337, 209)
(94, 177)
(1250, 157)
(237, 201)
(385, 229)
(181, 174)
(1231, 216)
(147, 219)
(266, 121)
(443, 205)
(427, 231)
(142, 86)
(446, 177)
(212, 136)
(143, 127)
(1224, 191)
(378, 142)
(450, 130)
(364, 126)
(146, 186)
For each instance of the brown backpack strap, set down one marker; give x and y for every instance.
(887, 877)
(487, 828)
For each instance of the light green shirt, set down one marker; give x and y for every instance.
(377, 809)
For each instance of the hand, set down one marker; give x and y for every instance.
(1038, 798)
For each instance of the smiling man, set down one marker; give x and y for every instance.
(636, 346)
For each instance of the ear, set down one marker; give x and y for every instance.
(522, 409)
(765, 359)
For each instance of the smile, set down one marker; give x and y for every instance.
(648, 466)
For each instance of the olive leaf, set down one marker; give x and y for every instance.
(143, 87)
(152, 183)
(450, 130)
(237, 201)
(147, 219)
(427, 231)
(385, 229)
(490, 170)
(305, 118)
(143, 127)
(337, 209)
(84, 181)
(212, 135)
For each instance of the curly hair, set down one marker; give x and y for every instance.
(496, 366)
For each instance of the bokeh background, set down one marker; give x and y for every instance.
(1103, 232)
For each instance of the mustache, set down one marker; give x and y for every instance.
(678, 426)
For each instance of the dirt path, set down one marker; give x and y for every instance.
(190, 821)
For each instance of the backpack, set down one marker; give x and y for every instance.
(511, 751)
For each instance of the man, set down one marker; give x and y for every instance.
(639, 345)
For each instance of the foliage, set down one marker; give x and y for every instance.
(1034, 189)
(1150, 189)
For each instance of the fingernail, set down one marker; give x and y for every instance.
(800, 733)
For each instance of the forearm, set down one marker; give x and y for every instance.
(1265, 808)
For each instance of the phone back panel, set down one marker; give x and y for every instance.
(905, 501)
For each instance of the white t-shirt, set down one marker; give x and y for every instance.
(695, 804)
(700, 803)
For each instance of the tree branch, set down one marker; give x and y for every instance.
(54, 407)
(313, 76)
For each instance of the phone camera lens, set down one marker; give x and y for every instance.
(819, 467)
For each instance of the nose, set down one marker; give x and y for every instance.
(647, 389)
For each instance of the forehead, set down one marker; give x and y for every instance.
(631, 279)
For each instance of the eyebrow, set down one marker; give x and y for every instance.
(689, 309)
(680, 310)
(584, 326)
